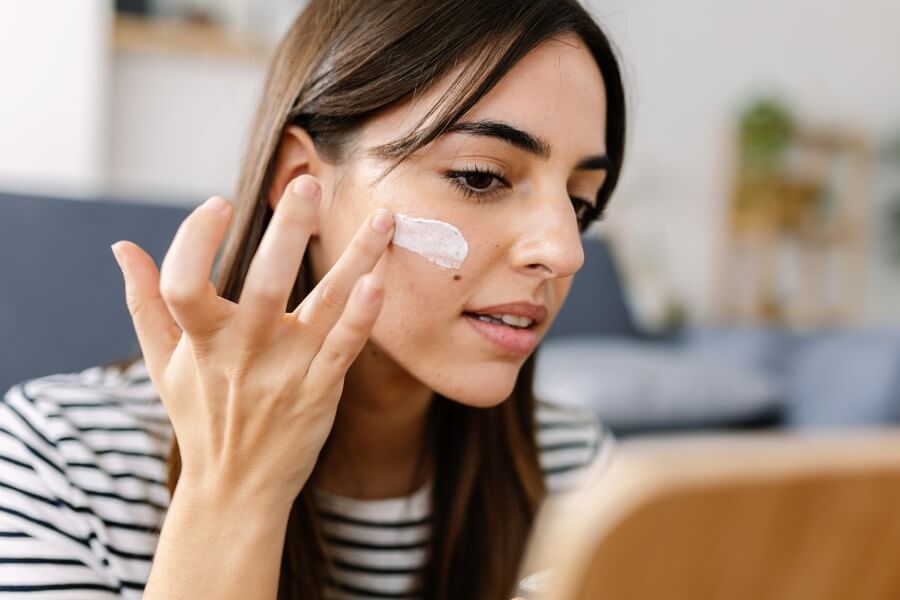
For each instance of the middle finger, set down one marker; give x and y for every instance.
(274, 267)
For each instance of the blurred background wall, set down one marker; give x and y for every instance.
(156, 106)
(693, 66)
(55, 95)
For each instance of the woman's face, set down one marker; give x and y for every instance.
(523, 238)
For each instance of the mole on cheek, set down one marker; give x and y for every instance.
(457, 277)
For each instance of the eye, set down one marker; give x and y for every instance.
(476, 182)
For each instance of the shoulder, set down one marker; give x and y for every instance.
(83, 474)
(570, 440)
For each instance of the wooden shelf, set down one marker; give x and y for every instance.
(176, 36)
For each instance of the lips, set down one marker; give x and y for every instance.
(535, 312)
(505, 338)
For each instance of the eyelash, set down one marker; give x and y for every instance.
(456, 177)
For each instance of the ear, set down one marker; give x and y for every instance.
(296, 155)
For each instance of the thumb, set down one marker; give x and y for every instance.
(156, 330)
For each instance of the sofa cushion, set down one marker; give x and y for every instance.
(840, 378)
(596, 303)
(63, 304)
(637, 385)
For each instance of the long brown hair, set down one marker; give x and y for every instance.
(339, 64)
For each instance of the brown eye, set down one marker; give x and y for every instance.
(479, 181)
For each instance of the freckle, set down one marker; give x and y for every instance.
(457, 277)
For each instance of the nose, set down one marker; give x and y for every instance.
(549, 242)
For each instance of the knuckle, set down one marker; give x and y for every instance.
(331, 297)
(338, 358)
(356, 328)
(267, 293)
(134, 304)
(175, 294)
(238, 372)
(202, 347)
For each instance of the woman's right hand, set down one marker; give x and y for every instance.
(252, 391)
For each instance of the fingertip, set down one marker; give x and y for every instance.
(307, 186)
(216, 204)
(383, 220)
(118, 255)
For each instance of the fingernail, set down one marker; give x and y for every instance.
(118, 256)
(382, 221)
(304, 186)
(215, 203)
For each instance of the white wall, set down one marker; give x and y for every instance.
(179, 124)
(690, 65)
(53, 95)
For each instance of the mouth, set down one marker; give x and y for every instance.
(511, 334)
(514, 321)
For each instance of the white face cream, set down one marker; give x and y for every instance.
(441, 243)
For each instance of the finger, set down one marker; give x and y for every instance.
(184, 276)
(156, 330)
(326, 302)
(276, 263)
(348, 337)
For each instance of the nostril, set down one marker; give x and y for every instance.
(540, 266)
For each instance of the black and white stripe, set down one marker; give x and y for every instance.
(83, 493)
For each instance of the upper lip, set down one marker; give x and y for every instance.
(535, 312)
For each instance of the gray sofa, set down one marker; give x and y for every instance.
(62, 305)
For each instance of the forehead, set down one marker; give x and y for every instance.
(555, 92)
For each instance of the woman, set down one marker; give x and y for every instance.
(352, 417)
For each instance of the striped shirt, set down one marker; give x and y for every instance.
(83, 492)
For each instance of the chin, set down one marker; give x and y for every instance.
(480, 386)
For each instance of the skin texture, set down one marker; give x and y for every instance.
(524, 245)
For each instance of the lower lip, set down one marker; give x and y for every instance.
(520, 342)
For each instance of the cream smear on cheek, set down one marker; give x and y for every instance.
(441, 243)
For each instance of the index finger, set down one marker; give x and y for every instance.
(327, 301)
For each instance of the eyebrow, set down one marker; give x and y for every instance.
(524, 141)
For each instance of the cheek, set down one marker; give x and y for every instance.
(421, 327)
(561, 289)
(425, 298)
(420, 297)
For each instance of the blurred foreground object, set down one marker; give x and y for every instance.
(738, 517)
(797, 237)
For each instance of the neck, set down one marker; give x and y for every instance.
(378, 435)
